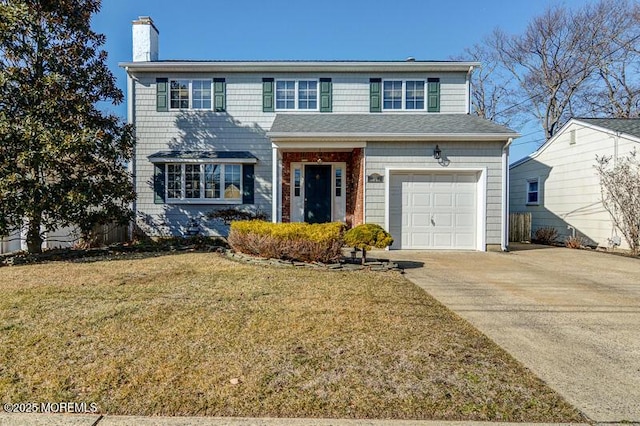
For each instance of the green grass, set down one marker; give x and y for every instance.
(197, 334)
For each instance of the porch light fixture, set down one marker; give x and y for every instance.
(437, 153)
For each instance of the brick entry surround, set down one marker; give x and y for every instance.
(354, 181)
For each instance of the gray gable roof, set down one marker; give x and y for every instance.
(630, 126)
(372, 126)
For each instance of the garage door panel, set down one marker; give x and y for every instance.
(443, 200)
(419, 200)
(465, 200)
(465, 220)
(433, 210)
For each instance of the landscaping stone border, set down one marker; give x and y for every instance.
(121, 251)
(343, 265)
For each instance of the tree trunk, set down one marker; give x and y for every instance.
(34, 239)
(364, 256)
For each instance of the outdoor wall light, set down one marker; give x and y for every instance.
(437, 153)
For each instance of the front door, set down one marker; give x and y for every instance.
(317, 190)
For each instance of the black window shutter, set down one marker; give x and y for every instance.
(375, 95)
(158, 183)
(267, 95)
(219, 95)
(433, 95)
(162, 94)
(326, 95)
(247, 184)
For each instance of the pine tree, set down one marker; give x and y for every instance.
(62, 159)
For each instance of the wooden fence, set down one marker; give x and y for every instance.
(111, 233)
(519, 227)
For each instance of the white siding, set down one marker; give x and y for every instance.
(472, 155)
(569, 188)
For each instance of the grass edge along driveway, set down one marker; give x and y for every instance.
(197, 334)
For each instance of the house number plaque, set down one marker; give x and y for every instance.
(375, 178)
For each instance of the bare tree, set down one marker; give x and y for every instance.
(551, 60)
(492, 90)
(620, 189)
(614, 91)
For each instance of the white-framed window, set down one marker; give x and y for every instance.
(297, 94)
(190, 94)
(206, 182)
(403, 94)
(533, 191)
(297, 181)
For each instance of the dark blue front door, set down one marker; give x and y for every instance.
(317, 191)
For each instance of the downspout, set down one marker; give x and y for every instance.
(468, 88)
(274, 183)
(504, 244)
(131, 97)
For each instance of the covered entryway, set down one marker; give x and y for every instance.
(433, 210)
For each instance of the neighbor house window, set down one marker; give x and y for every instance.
(532, 191)
(297, 94)
(190, 94)
(403, 94)
(204, 182)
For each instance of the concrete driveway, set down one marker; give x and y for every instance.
(570, 316)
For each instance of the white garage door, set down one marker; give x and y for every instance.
(433, 210)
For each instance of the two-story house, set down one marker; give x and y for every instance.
(385, 142)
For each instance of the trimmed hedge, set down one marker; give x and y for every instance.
(289, 241)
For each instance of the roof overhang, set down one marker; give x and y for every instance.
(243, 157)
(389, 137)
(298, 66)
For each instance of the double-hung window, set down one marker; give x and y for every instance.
(205, 182)
(297, 95)
(533, 191)
(403, 95)
(190, 94)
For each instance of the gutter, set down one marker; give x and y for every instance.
(296, 66)
(283, 136)
(504, 241)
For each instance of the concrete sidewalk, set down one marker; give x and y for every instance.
(570, 316)
(96, 420)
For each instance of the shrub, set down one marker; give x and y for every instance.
(367, 236)
(233, 214)
(575, 242)
(546, 235)
(289, 241)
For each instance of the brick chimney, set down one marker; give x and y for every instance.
(145, 40)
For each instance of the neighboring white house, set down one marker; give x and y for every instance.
(385, 142)
(558, 183)
(17, 240)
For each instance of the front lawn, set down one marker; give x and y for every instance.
(197, 334)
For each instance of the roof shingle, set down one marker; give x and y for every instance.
(386, 124)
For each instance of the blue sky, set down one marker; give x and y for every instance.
(328, 29)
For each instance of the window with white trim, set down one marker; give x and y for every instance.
(190, 94)
(533, 191)
(297, 94)
(403, 95)
(204, 181)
